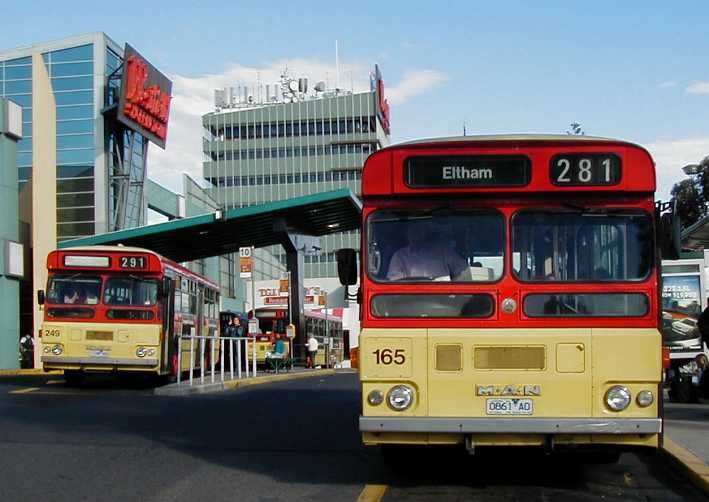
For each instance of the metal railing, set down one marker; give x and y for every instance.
(237, 366)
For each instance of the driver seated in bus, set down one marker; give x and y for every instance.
(425, 258)
(72, 295)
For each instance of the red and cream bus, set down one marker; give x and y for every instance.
(120, 309)
(509, 292)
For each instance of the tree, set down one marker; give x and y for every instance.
(689, 199)
(575, 130)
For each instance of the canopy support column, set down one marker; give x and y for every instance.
(296, 246)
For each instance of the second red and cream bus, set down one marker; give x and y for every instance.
(120, 309)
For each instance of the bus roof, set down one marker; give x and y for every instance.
(484, 139)
(165, 262)
(523, 163)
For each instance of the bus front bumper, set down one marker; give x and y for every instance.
(98, 361)
(511, 425)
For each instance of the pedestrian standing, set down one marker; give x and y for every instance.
(312, 351)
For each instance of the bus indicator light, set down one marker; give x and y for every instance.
(375, 398)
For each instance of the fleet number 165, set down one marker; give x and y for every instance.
(389, 356)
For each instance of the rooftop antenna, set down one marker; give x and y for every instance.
(464, 134)
(337, 67)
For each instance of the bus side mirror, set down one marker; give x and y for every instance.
(347, 266)
(40, 297)
(669, 236)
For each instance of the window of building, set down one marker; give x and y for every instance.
(81, 53)
(16, 72)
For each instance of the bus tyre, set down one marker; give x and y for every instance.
(74, 378)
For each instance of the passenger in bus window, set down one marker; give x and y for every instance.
(425, 258)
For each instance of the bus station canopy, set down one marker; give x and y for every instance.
(224, 232)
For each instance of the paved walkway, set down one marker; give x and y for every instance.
(688, 425)
(197, 387)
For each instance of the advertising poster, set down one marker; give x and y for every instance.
(681, 306)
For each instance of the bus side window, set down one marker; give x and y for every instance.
(178, 299)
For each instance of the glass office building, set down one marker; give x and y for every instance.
(100, 167)
(279, 150)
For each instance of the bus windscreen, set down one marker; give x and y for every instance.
(554, 246)
(430, 245)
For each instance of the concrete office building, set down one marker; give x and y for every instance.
(274, 142)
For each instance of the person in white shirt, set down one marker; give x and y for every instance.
(312, 346)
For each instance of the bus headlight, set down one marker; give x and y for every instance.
(618, 398)
(151, 352)
(140, 352)
(645, 398)
(376, 397)
(400, 397)
(57, 350)
(47, 349)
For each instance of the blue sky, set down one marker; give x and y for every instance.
(633, 70)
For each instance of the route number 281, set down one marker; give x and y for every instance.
(389, 356)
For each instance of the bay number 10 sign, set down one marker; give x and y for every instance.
(246, 262)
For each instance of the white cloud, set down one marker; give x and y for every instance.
(668, 83)
(698, 88)
(671, 155)
(193, 97)
(415, 82)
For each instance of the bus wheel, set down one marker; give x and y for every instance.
(74, 378)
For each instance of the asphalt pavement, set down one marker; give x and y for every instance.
(296, 440)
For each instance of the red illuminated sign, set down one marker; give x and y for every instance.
(144, 105)
(382, 103)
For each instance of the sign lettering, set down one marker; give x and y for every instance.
(144, 103)
(467, 171)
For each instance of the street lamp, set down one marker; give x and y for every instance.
(692, 169)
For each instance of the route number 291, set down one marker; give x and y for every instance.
(389, 356)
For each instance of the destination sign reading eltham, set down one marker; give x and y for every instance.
(466, 171)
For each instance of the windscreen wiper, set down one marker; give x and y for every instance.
(598, 210)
